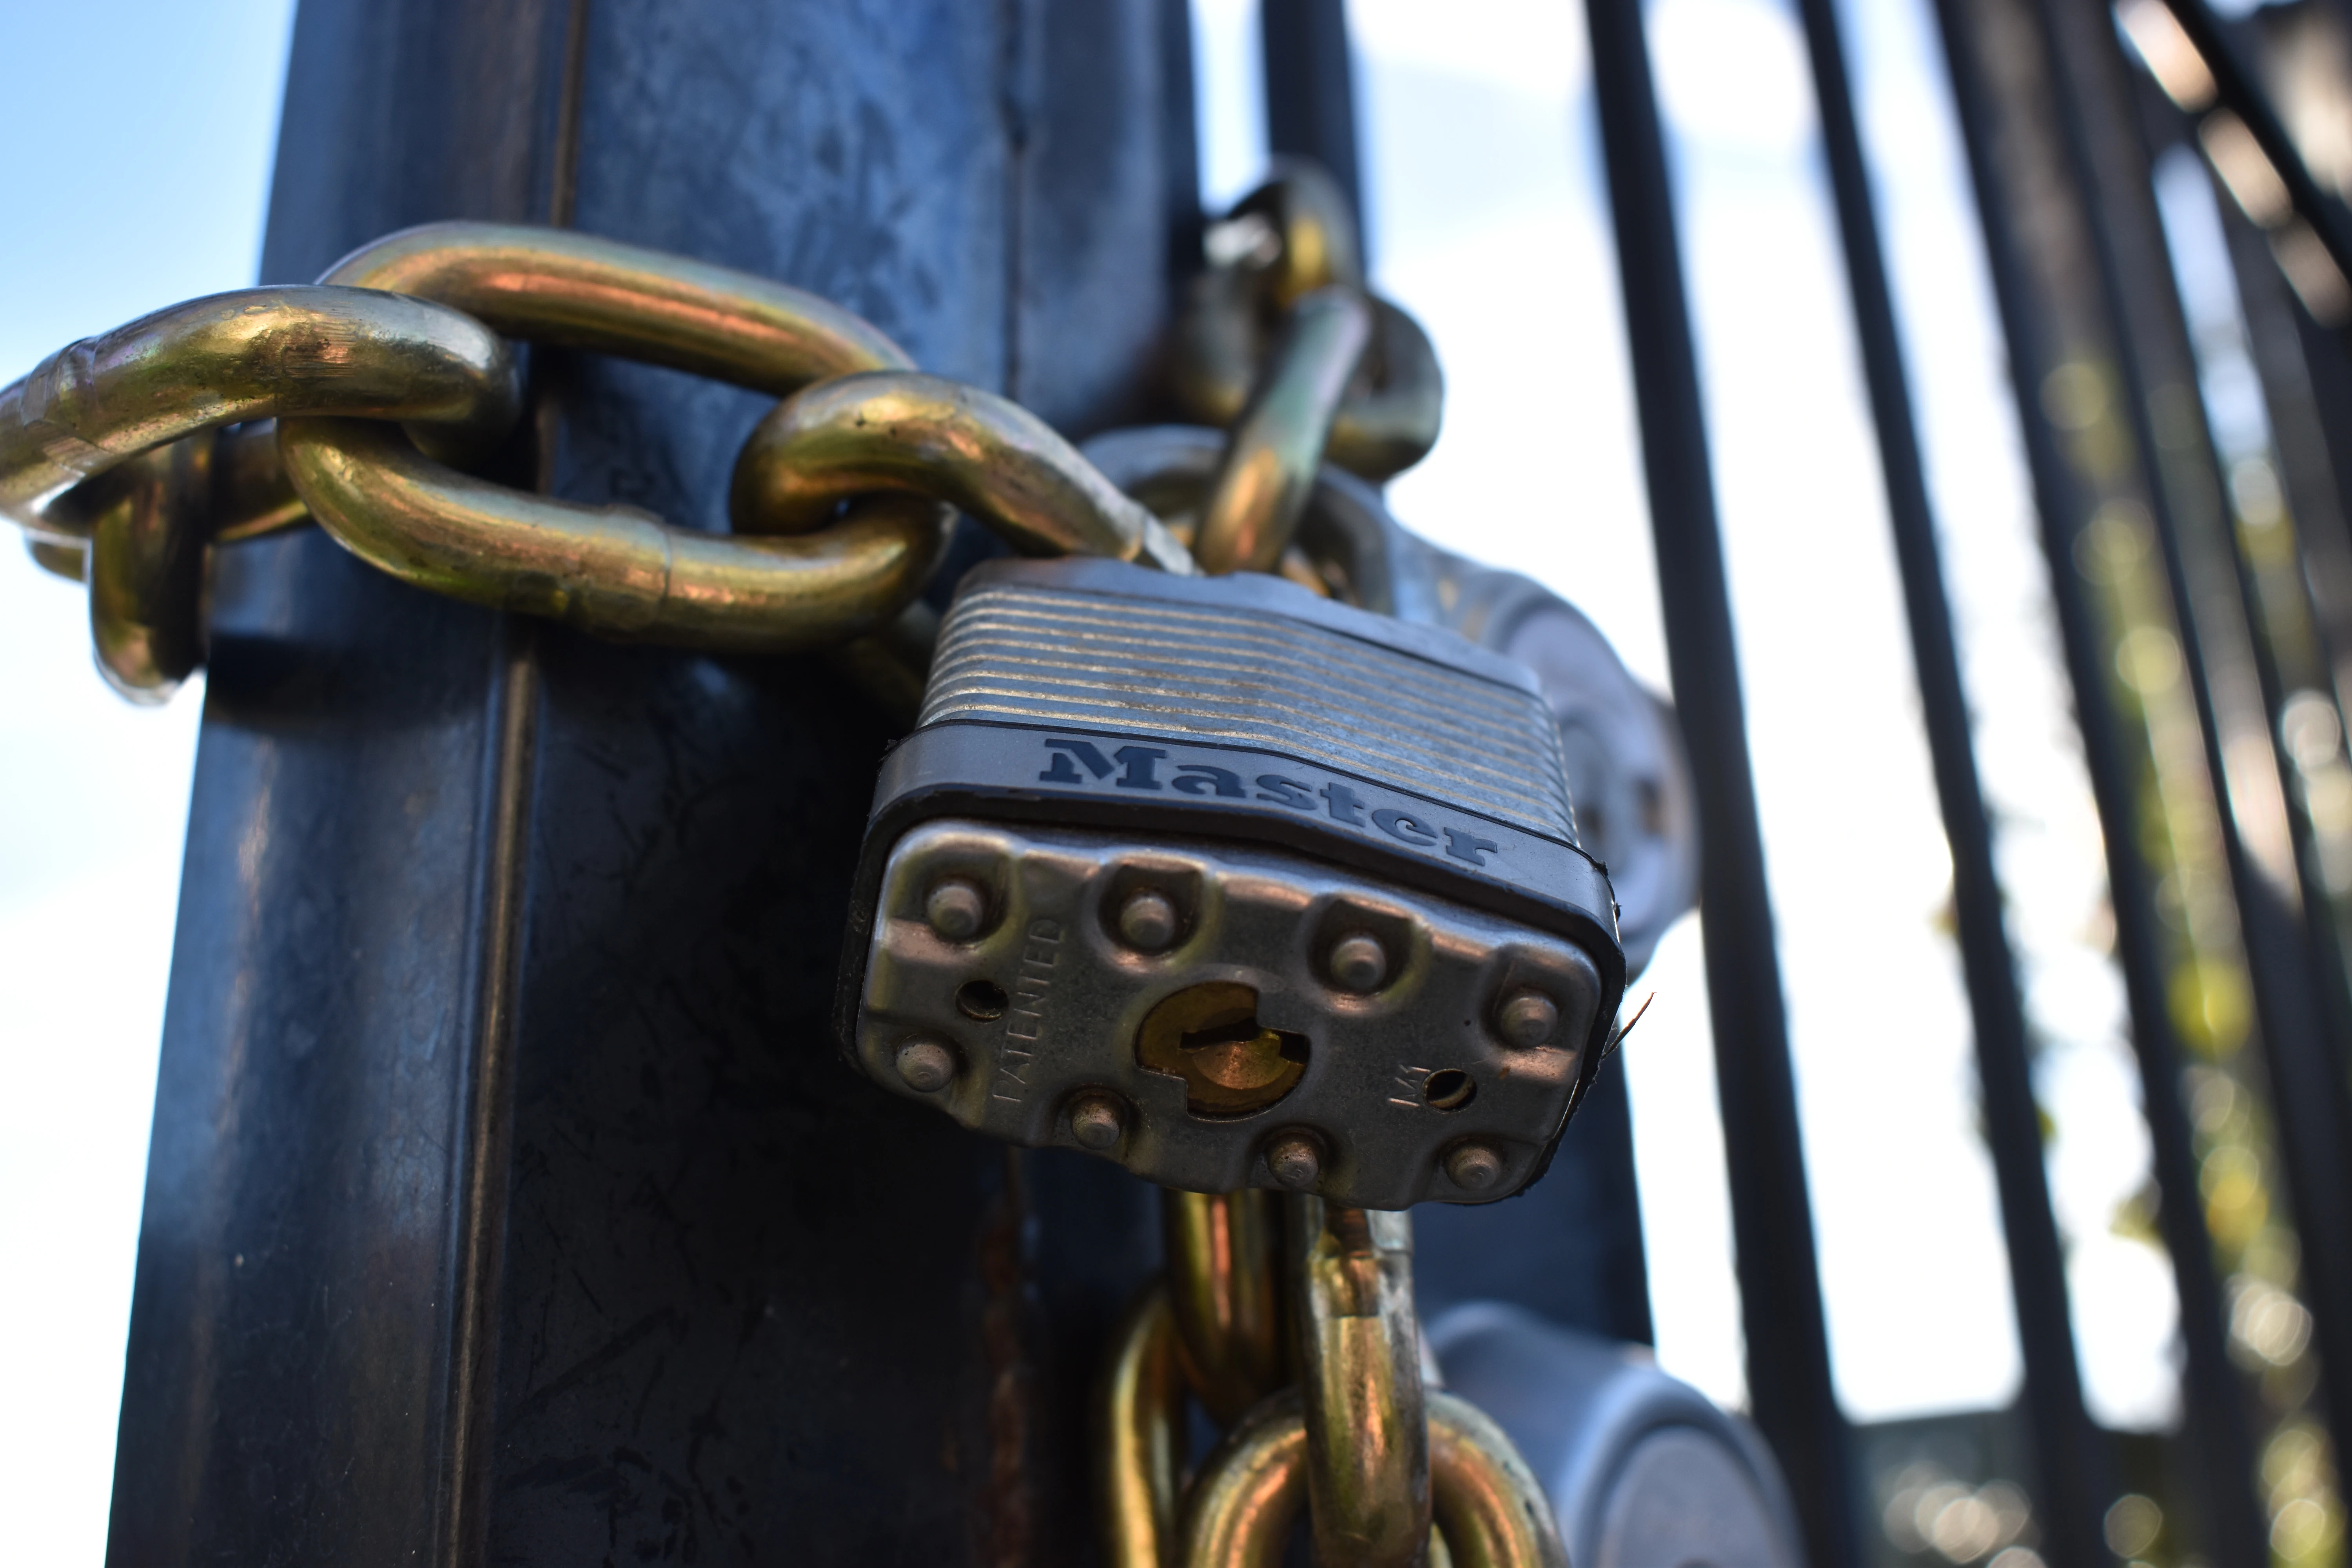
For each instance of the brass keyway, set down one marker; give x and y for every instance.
(1208, 1035)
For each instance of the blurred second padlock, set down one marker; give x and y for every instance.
(1235, 886)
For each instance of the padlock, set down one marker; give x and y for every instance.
(1235, 885)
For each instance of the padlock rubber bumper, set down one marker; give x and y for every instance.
(1421, 773)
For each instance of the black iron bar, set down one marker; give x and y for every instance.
(2326, 350)
(2321, 559)
(2326, 359)
(2217, 1433)
(1789, 1380)
(2311, 471)
(1179, 140)
(1310, 101)
(2147, 323)
(2238, 91)
(2076, 1474)
(2306, 447)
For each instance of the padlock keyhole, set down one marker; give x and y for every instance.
(1208, 1035)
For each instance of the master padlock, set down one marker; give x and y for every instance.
(1235, 885)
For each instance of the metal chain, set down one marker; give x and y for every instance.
(832, 535)
(1355, 1440)
(113, 450)
(1330, 1416)
(1292, 237)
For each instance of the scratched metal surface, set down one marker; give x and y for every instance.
(1250, 676)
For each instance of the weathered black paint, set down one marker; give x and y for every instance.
(513, 1206)
(2038, 221)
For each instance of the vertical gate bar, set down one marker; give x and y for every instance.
(2235, 80)
(2075, 1469)
(2308, 461)
(1788, 1379)
(2327, 347)
(2326, 362)
(2324, 556)
(1180, 139)
(2324, 572)
(1310, 97)
(2314, 485)
(2007, 151)
(2291, 997)
(2303, 368)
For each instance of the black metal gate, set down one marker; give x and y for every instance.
(2063, 122)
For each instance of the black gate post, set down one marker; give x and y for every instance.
(507, 1199)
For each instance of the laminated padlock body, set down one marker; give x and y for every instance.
(1235, 885)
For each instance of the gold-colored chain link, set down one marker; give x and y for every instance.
(128, 457)
(1332, 1418)
(1291, 238)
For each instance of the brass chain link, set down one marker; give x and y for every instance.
(1292, 237)
(1313, 1363)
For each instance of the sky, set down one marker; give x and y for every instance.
(1487, 220)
